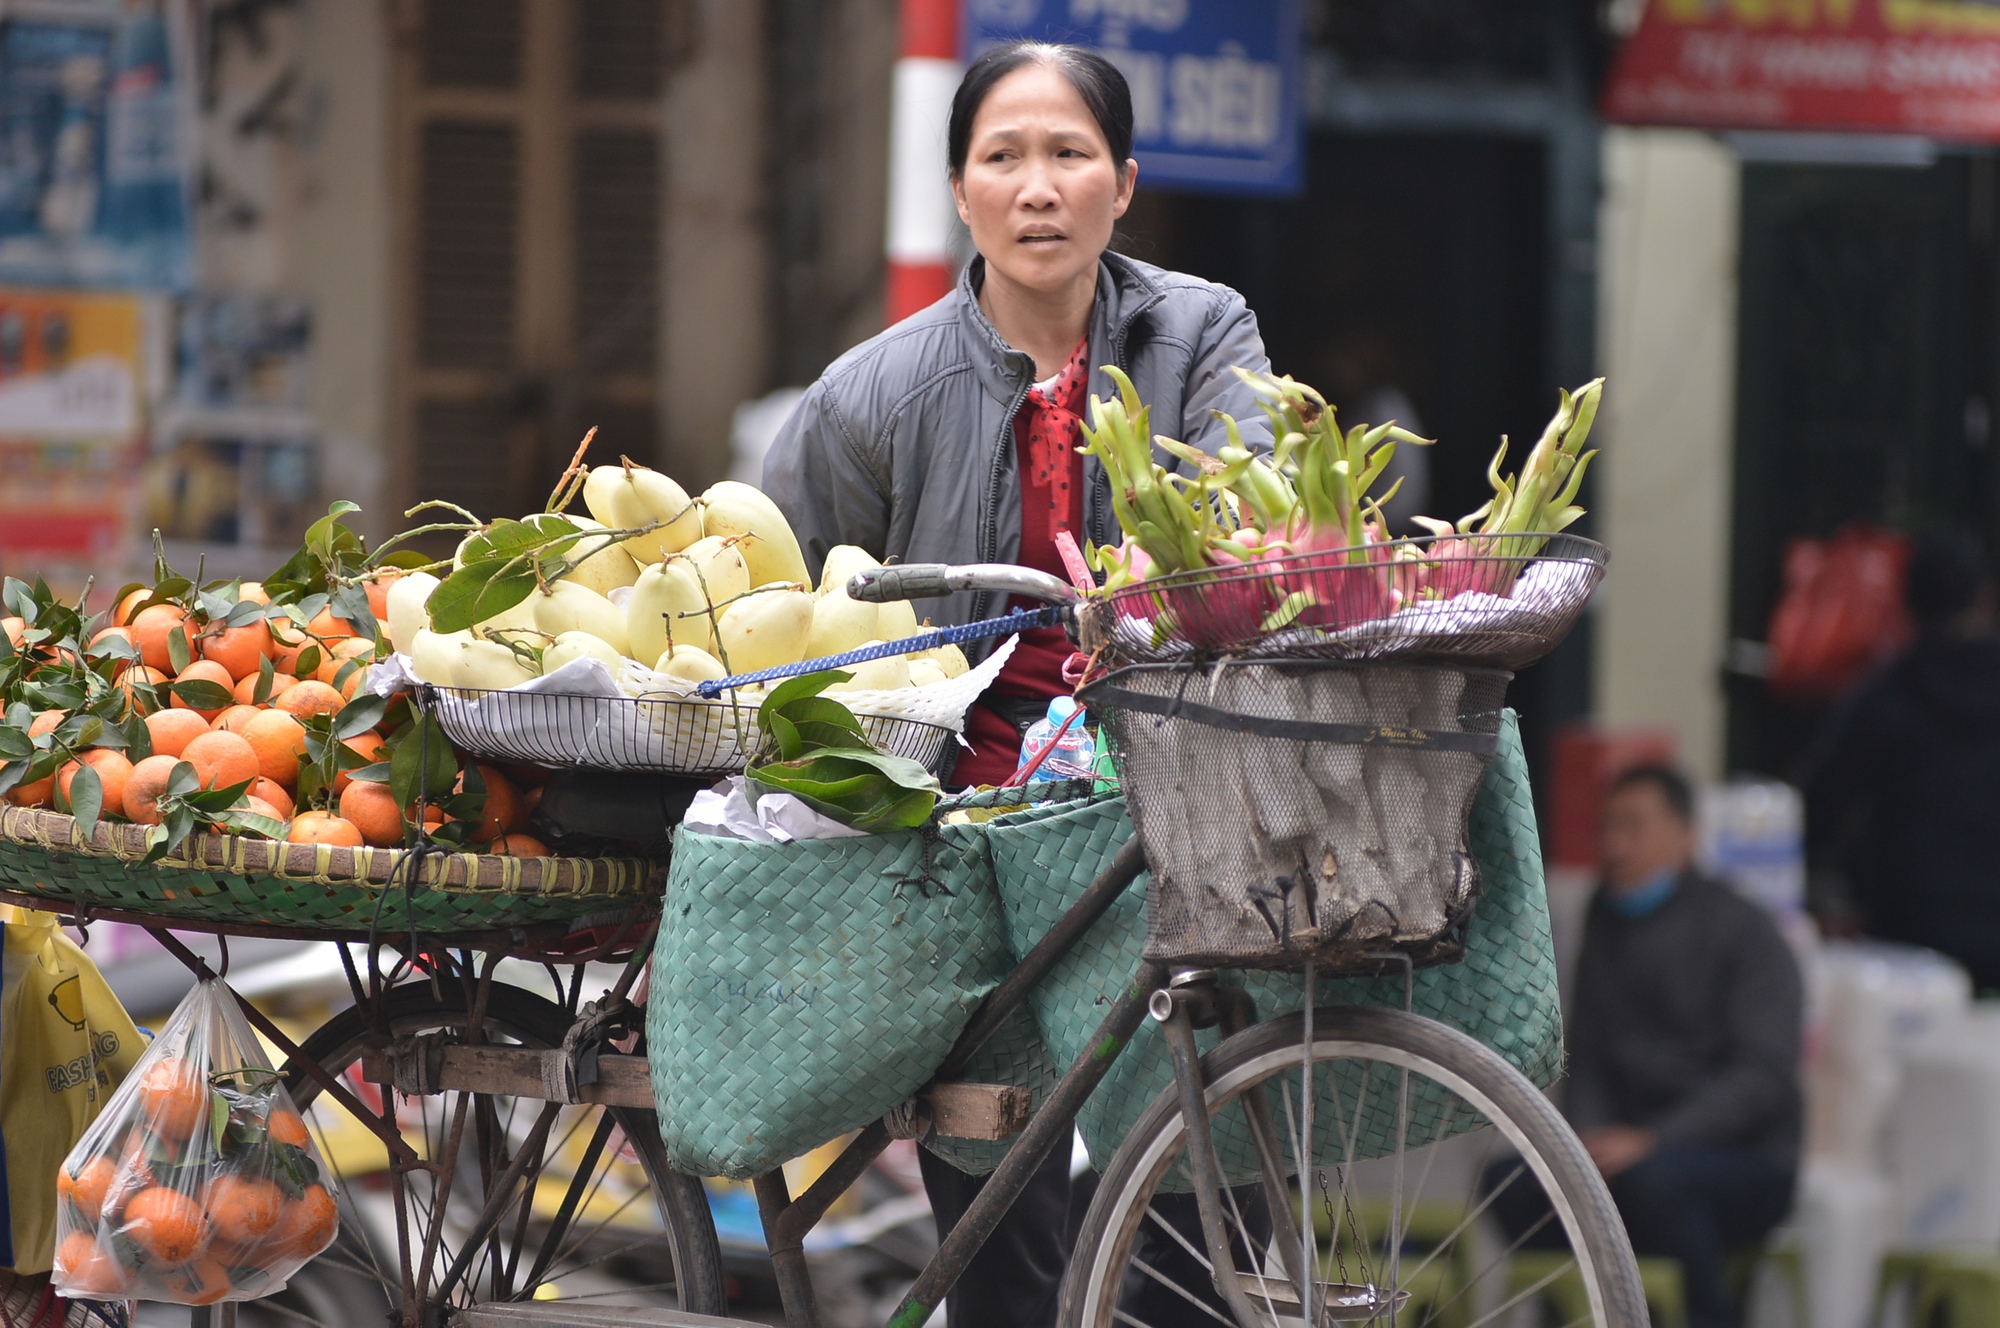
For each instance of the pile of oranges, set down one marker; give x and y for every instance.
(254, 733)
(207, 1189)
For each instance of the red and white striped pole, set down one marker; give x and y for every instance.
(920, 206)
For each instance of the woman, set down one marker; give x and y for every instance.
(952, 437)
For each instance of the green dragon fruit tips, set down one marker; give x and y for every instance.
(1312, 494)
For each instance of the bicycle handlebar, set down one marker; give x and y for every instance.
(881, 585)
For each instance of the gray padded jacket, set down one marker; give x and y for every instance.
(905, 445)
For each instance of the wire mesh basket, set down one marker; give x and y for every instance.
(1296, 810)
(1497, 601)
(656, 734)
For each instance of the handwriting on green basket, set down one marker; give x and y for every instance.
(728, 988)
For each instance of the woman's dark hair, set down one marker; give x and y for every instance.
(1095, 79)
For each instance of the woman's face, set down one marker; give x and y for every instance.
(1039, 190)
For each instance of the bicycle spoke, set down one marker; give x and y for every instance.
(1520, 1296)
(1469, 1219)
(1181, 1291)
(1501, 1258)
(1200, 1256)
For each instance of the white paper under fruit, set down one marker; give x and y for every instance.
(642, 720)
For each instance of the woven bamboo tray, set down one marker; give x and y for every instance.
(216, 881)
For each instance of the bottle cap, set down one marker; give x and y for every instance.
(1060, 708)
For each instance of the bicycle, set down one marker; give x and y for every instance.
(518, 1144)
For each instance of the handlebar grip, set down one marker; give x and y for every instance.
(884, 585)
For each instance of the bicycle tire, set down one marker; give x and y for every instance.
(532, 1020)
(1257, 1055)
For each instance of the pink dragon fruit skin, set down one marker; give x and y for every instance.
(1454, 567)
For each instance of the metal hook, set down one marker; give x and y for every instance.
(224, 942)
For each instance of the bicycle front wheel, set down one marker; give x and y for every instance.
(1440, 1188)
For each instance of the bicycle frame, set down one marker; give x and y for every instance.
(788, 1219)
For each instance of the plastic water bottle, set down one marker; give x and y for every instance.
(1075, 757)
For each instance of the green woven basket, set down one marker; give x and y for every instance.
(224, 880)
(802, 990)
(1503, 992)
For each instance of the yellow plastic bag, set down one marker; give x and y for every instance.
(65, 1043)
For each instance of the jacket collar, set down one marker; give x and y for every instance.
(1124, 292)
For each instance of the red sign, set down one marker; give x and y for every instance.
(1928, 67)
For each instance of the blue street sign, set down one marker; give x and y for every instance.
(1217, 85)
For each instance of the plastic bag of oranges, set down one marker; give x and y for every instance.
(199, 1181)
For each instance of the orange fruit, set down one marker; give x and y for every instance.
(324, 828)
(329, 628)
(203, 1282)
(310, 697)
(141, 685)
(288, 1127)
(204, 670)
(16, 628)
(87, 1269)
(144, 788)
(242, 1208)
(253, 803)
(308, 1223)
(377, 588)
(246, 688)
(368, 744)
(280, 744)
(47, 722)
(503, 811)
(150, 631)
(518, 846)
(233, 719)
(123, 613)
(336, 658)
(87, 1188)
(112, 771)
(176, 1097)
(254, 592)
(275, 795)
(122, 633)
(372, 810)
(237, 649)
(41, 793)
(222, 759)
(173, 730)
(166, 1224)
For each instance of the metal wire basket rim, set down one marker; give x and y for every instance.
(1567, 549)
(1307, 664)
(473, 695)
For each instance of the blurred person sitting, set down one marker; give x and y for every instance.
(1902, 791)
(1684, 1051)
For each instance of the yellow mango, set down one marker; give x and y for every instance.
(899, 620)
(572, 646)
(487, 665)
(602, 565)
(718, 566)
(769, 547)
(842, 562)
(765, 629)
(890, 673)
(841, 624)
(691, 664)
(407, 597)
(667, 609)
(431, 654)
(568, 607)
(627, 497)
(947, 657)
